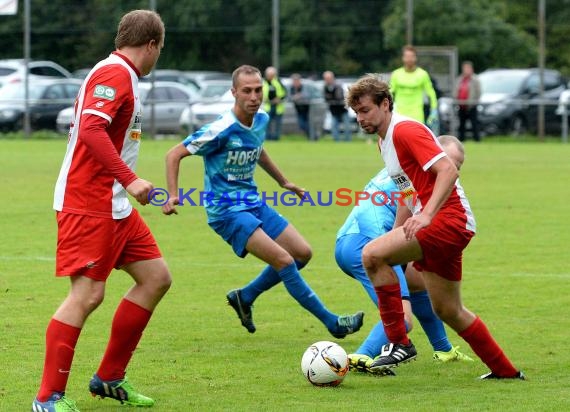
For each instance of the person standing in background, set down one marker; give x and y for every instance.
(302, 101)
(334, 96)
(274, 94)
(468, 92)
(408, 85)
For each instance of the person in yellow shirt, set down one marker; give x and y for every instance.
(274, 94)
(408, 85)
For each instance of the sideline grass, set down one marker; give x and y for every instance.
(196, 356)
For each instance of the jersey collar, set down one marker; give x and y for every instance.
(130, 63)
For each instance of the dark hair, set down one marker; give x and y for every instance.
(244, 69)
(409, 47)
(370, 85)
(138, 27)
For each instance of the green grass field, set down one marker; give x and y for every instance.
(196, 356)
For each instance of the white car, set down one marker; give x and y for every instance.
(13, 71)
(169, 99)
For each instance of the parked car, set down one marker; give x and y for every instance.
(81, 74)
(13, 70)
(509, 100)
(169, 99)
(46, 99)
(200, 76)
(168, 75)
(196, 116)
(212, 90)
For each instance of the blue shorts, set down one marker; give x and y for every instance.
(236, 228)
(348, 254)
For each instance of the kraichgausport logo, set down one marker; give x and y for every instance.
(340, 197)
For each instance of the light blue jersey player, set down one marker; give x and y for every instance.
(231, 147)
(369, 219)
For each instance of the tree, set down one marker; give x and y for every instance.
(476, 27)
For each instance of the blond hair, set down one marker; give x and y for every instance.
(447, 139)
(244, 69)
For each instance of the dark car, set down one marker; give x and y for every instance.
(510, 97)
(46, 99)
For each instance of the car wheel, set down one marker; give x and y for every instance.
(518, 125)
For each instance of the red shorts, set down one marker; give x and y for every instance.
(442, 244)
(92, 246)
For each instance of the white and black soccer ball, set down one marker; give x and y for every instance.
(325, 363)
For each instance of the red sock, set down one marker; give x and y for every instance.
(478, 337)
(61, 339)
(128, 325)
(392, 313)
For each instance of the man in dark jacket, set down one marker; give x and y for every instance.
(334, 96)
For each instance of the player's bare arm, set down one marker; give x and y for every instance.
(173, 158)
(403, 213)
(272, 170)
(447, 174)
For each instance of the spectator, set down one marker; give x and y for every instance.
(408, 85)
(302, 101)
(468, 92)
(334, 96)
(274, 94)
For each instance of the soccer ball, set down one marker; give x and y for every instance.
(325, 364)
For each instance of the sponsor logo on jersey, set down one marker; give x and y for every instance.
(104, 92)
(235, 142)
(242, 157)
(99, 104)
(136, 130)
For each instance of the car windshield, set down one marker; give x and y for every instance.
(227, 97)
(504, 82)
(15, 91)
(5, 71)
(214, 90)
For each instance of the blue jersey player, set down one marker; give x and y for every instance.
(369, 219)
(231, 147)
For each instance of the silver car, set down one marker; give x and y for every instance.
(169, 100)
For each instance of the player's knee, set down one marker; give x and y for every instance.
(282, 260)
(370, 259)
(446, 312)
(303, 255)
(161, 281)
(91, 301)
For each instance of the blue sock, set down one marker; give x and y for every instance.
(263, 282)
(300, 290)
(431, 324)
(374, 341)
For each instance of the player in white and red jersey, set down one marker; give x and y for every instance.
(431, 231)
(98, 229)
